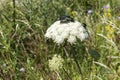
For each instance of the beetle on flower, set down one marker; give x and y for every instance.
(66, 28)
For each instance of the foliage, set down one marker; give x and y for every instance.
(25, 52)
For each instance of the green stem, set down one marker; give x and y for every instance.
(77, 63)
(67, 74)
(14, 13)
(79, 68)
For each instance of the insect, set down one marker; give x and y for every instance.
(66, 19)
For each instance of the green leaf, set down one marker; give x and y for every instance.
(94, 54)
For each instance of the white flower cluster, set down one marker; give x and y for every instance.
(59, 32)
(56, 63)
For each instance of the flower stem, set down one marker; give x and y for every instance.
(14, 13)
(76, 61)
(79, 68)
(67, 74)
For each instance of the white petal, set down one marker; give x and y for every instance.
(59, 40)
(71, 39)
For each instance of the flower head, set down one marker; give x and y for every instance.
(70, 31)
(22, 69)
(4, 65)
(90, 11)
(106, 6)
(74, 13)
(107, 11)
(118, 17)
(56, 63)
(109, 31)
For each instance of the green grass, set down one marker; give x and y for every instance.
(23, 45)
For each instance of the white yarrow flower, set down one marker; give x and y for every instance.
(59, 32)
(56, 63)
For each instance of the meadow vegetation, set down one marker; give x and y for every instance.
(25, 53)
